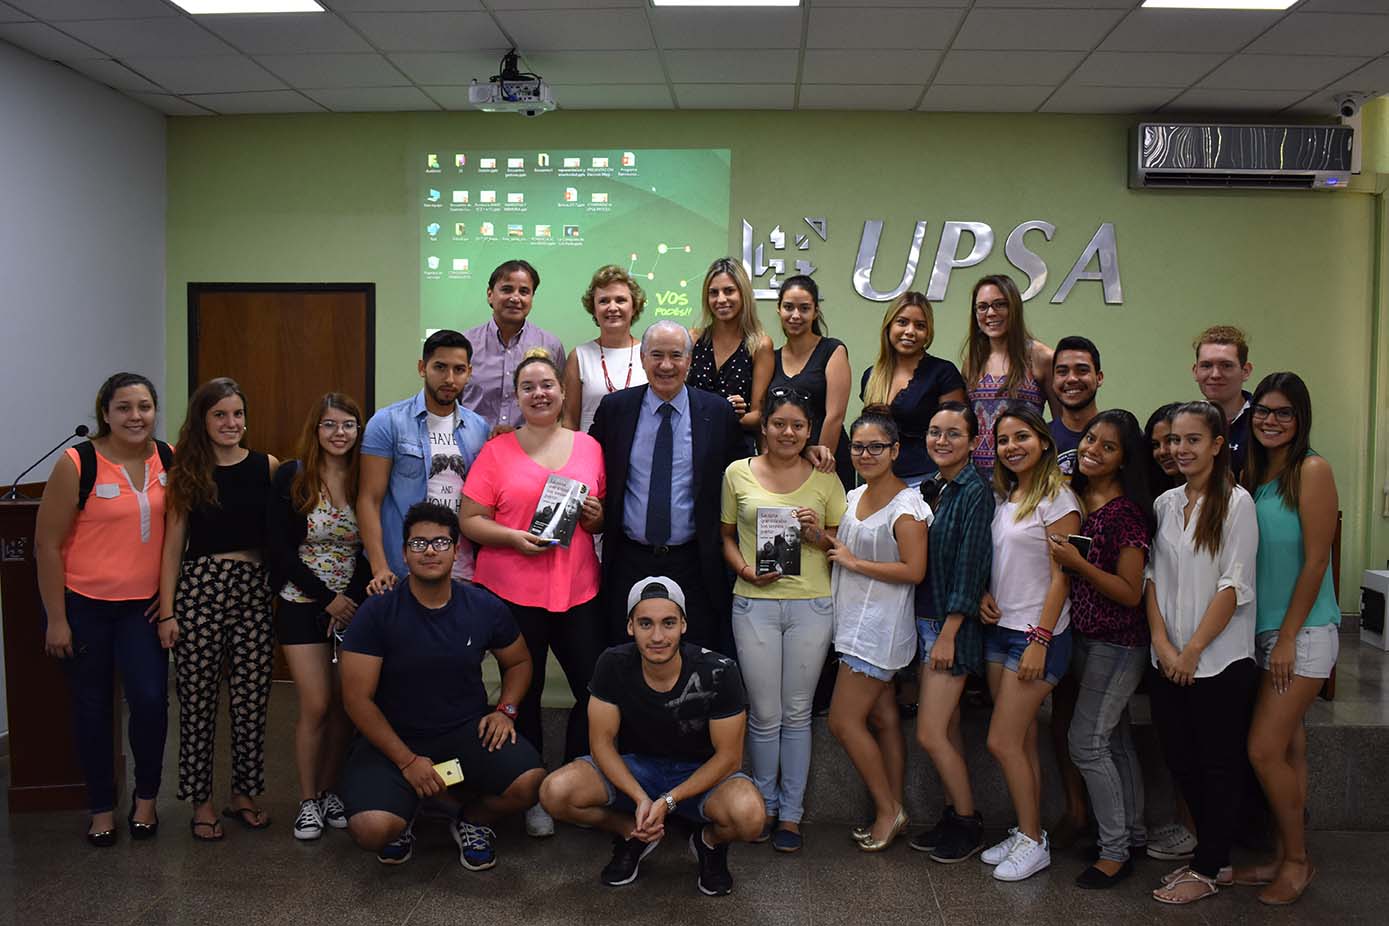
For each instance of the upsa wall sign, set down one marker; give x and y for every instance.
(766, 267)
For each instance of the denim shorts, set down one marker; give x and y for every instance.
(657, 775)
(1315, 651)
(864, 667)
(927, 631)
(1007, 646)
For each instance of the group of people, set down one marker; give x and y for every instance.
(951, 528)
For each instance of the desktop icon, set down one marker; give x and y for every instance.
(460, 264)
(542, 160)
(571, 194)
(459, 229)
(460, 196)
(431, 161)
(543, 231)
(432, 262)
(573, 162)
(516, 198)
(599, 198)
(432, 228)
(600, 162)
(488, 230)
(515, 163)
(571, 231)
(629, 159)
(516, 231)
(460, 160)
(433, 196)
(487, 196)
(487, 164)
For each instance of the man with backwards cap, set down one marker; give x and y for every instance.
(666, 725)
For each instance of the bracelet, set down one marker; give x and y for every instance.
(410, 763)
(164, 620)
(1039, 635)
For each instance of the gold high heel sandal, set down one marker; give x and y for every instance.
(870, 844)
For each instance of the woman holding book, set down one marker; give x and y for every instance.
(783, 615)
(549, 580)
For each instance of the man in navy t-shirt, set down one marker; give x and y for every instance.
(666, 724)
(1075, 380)
(412, 684)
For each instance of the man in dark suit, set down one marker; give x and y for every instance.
(665, 447)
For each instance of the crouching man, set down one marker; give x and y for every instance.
(412, 684)
(666, 725)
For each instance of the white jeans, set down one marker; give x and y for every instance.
(782, 646)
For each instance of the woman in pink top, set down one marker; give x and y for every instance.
(551, 585)
(98, 565)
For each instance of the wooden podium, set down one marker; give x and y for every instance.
(44, 772)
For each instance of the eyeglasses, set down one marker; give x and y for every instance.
(874, 449)
(998, 305)
(1283, 415)
(347, 427)
(937, 434)
(420, 544)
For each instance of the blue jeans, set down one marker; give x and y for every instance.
(1007, 646)
(1102, 743)
(781, 650)
(107, 636)
(658, 775)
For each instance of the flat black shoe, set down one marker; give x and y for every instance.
(102, 840)
(1092, 879)
(141, 831)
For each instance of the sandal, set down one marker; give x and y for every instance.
(211, 825)
(1168, 893)
(240, 815)
(1224, 878)
(1270, 899)
(1254, 875)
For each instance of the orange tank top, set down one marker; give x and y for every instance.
(113, 549)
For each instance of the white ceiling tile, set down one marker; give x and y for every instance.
(287, 34)
(614, 96)
(47, 42)
(399, 6)
(898, 98)
(1144, 69)
(333, 70)
(1328, 34)
(1016, 68)
(885, 3)
(429, 31)
(268, 101)
(596, 67)
(1187, 30)
(62, 10)
(556, 4)
(761, 66)
(877, 28)
(131, 38)
(1251, 101)
(835, 66)
(1055, 4)
(1041, 29)
(114, 74)
(210, 74)
(723, 28)
(1372, 78)
(1342, 6)
(377, 99)
(1077, 98)
(1280, 72)
(983, 99)
(171, 105)
(9, 14)
(449, 68)
(735, 96)
(544, 30)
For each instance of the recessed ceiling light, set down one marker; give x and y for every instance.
(212, 7)
(1218, 4)
(725, 2)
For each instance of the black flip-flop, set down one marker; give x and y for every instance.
(239, 814)
(193, 825)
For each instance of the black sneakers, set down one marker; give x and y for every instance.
(626, 860)
(962, 838)
(927, 840)
(714, 879)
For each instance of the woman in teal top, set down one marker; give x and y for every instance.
(1298, 617)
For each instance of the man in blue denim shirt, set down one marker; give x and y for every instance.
(419, 449)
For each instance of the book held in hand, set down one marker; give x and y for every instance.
(778, 541)
(557, 514)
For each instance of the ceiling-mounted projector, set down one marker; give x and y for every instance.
(512, 91)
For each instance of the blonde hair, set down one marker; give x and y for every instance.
(748, 321)
(879, 387)
(607, 275)
(1048, 479)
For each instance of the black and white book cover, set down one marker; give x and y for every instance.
(778, 541)
(557, 514)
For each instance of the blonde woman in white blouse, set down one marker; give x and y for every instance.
(1201, 612)
(878, 557)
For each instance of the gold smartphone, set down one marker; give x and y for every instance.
(451, 771)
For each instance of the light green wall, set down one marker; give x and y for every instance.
(331, 198)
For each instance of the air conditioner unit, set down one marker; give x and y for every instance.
(1177, 156)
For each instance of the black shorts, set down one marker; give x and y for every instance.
(370, 781)
(300, 622)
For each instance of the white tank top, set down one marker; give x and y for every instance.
(624, 369)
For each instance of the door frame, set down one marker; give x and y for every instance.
(368, 290)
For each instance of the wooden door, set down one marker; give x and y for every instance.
(286, 345)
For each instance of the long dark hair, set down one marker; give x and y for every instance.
(1158, 480)
(1215, 499)
(976, 348)
(107, 394)
(304, 490)
(1256, 471)
(190, 480)
(1133, 469)
(800, 281)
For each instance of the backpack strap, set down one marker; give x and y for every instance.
(86, 472)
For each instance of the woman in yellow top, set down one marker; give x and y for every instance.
(778, 516)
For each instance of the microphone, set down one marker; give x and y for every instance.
(80, 431)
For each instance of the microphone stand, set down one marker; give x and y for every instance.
(14, 494)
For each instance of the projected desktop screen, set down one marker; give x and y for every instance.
(660, 213)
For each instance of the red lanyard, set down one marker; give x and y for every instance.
(603, 358)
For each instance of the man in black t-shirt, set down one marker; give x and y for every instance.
(666, 724)
(412, 684)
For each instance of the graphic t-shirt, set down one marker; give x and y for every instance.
(672, 724)
(447, 468)
(1067, 444)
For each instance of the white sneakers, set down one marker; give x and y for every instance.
(539, 823)
(1172, 842)
(1018, 856)
(994, 855)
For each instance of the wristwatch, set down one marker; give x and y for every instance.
(670, 802)
(510, 710)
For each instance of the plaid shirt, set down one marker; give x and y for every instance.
(959, 561)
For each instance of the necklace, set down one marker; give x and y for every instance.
(603, 358)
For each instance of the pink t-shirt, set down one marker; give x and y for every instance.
(508, 481)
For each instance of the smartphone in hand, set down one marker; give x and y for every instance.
(1081, 543)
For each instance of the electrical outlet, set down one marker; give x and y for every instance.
(14, 549)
